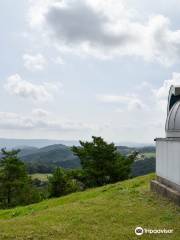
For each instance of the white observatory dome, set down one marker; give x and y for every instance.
(173, 113)
(173, 121)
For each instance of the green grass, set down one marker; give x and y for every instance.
(149, 154)
(40, 176)
(109, 213)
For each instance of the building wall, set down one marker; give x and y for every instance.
(168, 159)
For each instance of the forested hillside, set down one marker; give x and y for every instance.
(46, 159)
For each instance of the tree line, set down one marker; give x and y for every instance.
(101, 164)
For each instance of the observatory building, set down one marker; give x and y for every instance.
(168, 151)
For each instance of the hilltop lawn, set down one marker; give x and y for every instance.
(109, 213)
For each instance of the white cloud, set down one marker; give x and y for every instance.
(58, 60)
(146, 105)
(130, 102)
(37, 10)
(162, 92)
(144, 97)
(150, 100)
(114, 98)
(136, 104)
(106, 29)
(40, 113)
(41, 120)
(10, 120)
(34, 62)
(15, 85)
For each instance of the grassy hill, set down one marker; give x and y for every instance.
(110, 213)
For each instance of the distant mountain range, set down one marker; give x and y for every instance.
(52, 156)
(44, 159)
(39, 143)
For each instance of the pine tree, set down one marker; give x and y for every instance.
(102, 163)
(15, 184)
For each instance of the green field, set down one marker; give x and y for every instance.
(40, 176)
(149, 154)
(110, 213)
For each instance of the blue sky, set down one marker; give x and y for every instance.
(72, 69)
